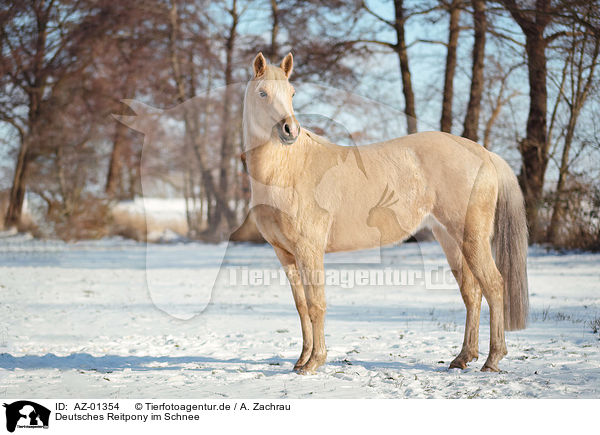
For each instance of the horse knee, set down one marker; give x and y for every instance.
(302, 308)
(316, 312)
(471, 297)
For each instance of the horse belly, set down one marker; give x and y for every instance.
(364, 232)
(348, 234)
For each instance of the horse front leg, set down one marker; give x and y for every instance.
(291, 270)
(313, 278)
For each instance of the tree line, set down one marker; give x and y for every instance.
(520, 77)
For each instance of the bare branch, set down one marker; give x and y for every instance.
(373, 14)
(554, 36)
(373, 41)
(431, 41)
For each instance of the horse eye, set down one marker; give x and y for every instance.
(262, 94)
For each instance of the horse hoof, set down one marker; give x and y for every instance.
(300, 364)
(458, 364)
(487, 368)
(311, 366)
(304, 372)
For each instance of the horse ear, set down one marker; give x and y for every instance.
(287, 65)
(259, 64)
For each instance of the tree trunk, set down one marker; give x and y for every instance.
(175, 62)
(114, 177)
(274, 31)
(192, 129)
(409, 97)
(454, 30)
(36, 93)
(17, 191)
(560, 185)
(534, 148)
(226, 141)
(471, 124)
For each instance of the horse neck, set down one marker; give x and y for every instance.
(301, 165)
(270, 159)
(267, 159)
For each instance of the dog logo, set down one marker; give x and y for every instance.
(26, 414)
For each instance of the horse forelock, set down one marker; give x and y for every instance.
(273, 73)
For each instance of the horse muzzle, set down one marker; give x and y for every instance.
(288, 130)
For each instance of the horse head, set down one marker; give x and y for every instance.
(268, 109)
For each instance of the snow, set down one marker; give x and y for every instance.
(86, 320)
(160, 209)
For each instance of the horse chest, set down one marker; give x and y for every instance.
(285, 220)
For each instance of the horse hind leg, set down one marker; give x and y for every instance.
(477, 251)
(471, 295)
(473, 235)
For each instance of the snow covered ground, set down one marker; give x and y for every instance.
(82, 321)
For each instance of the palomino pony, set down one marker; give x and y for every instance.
(310, 197)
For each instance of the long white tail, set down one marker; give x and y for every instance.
(510, 245)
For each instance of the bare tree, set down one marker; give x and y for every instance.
(454, 9)
(44, 43)
(273, 49)
(580, 66)
(500, 99)
(119, 64)
(535, 146)
(226, 141)
(321, 36)
(471, 123)
(401, 50)
(30, 74)
(217, 191)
